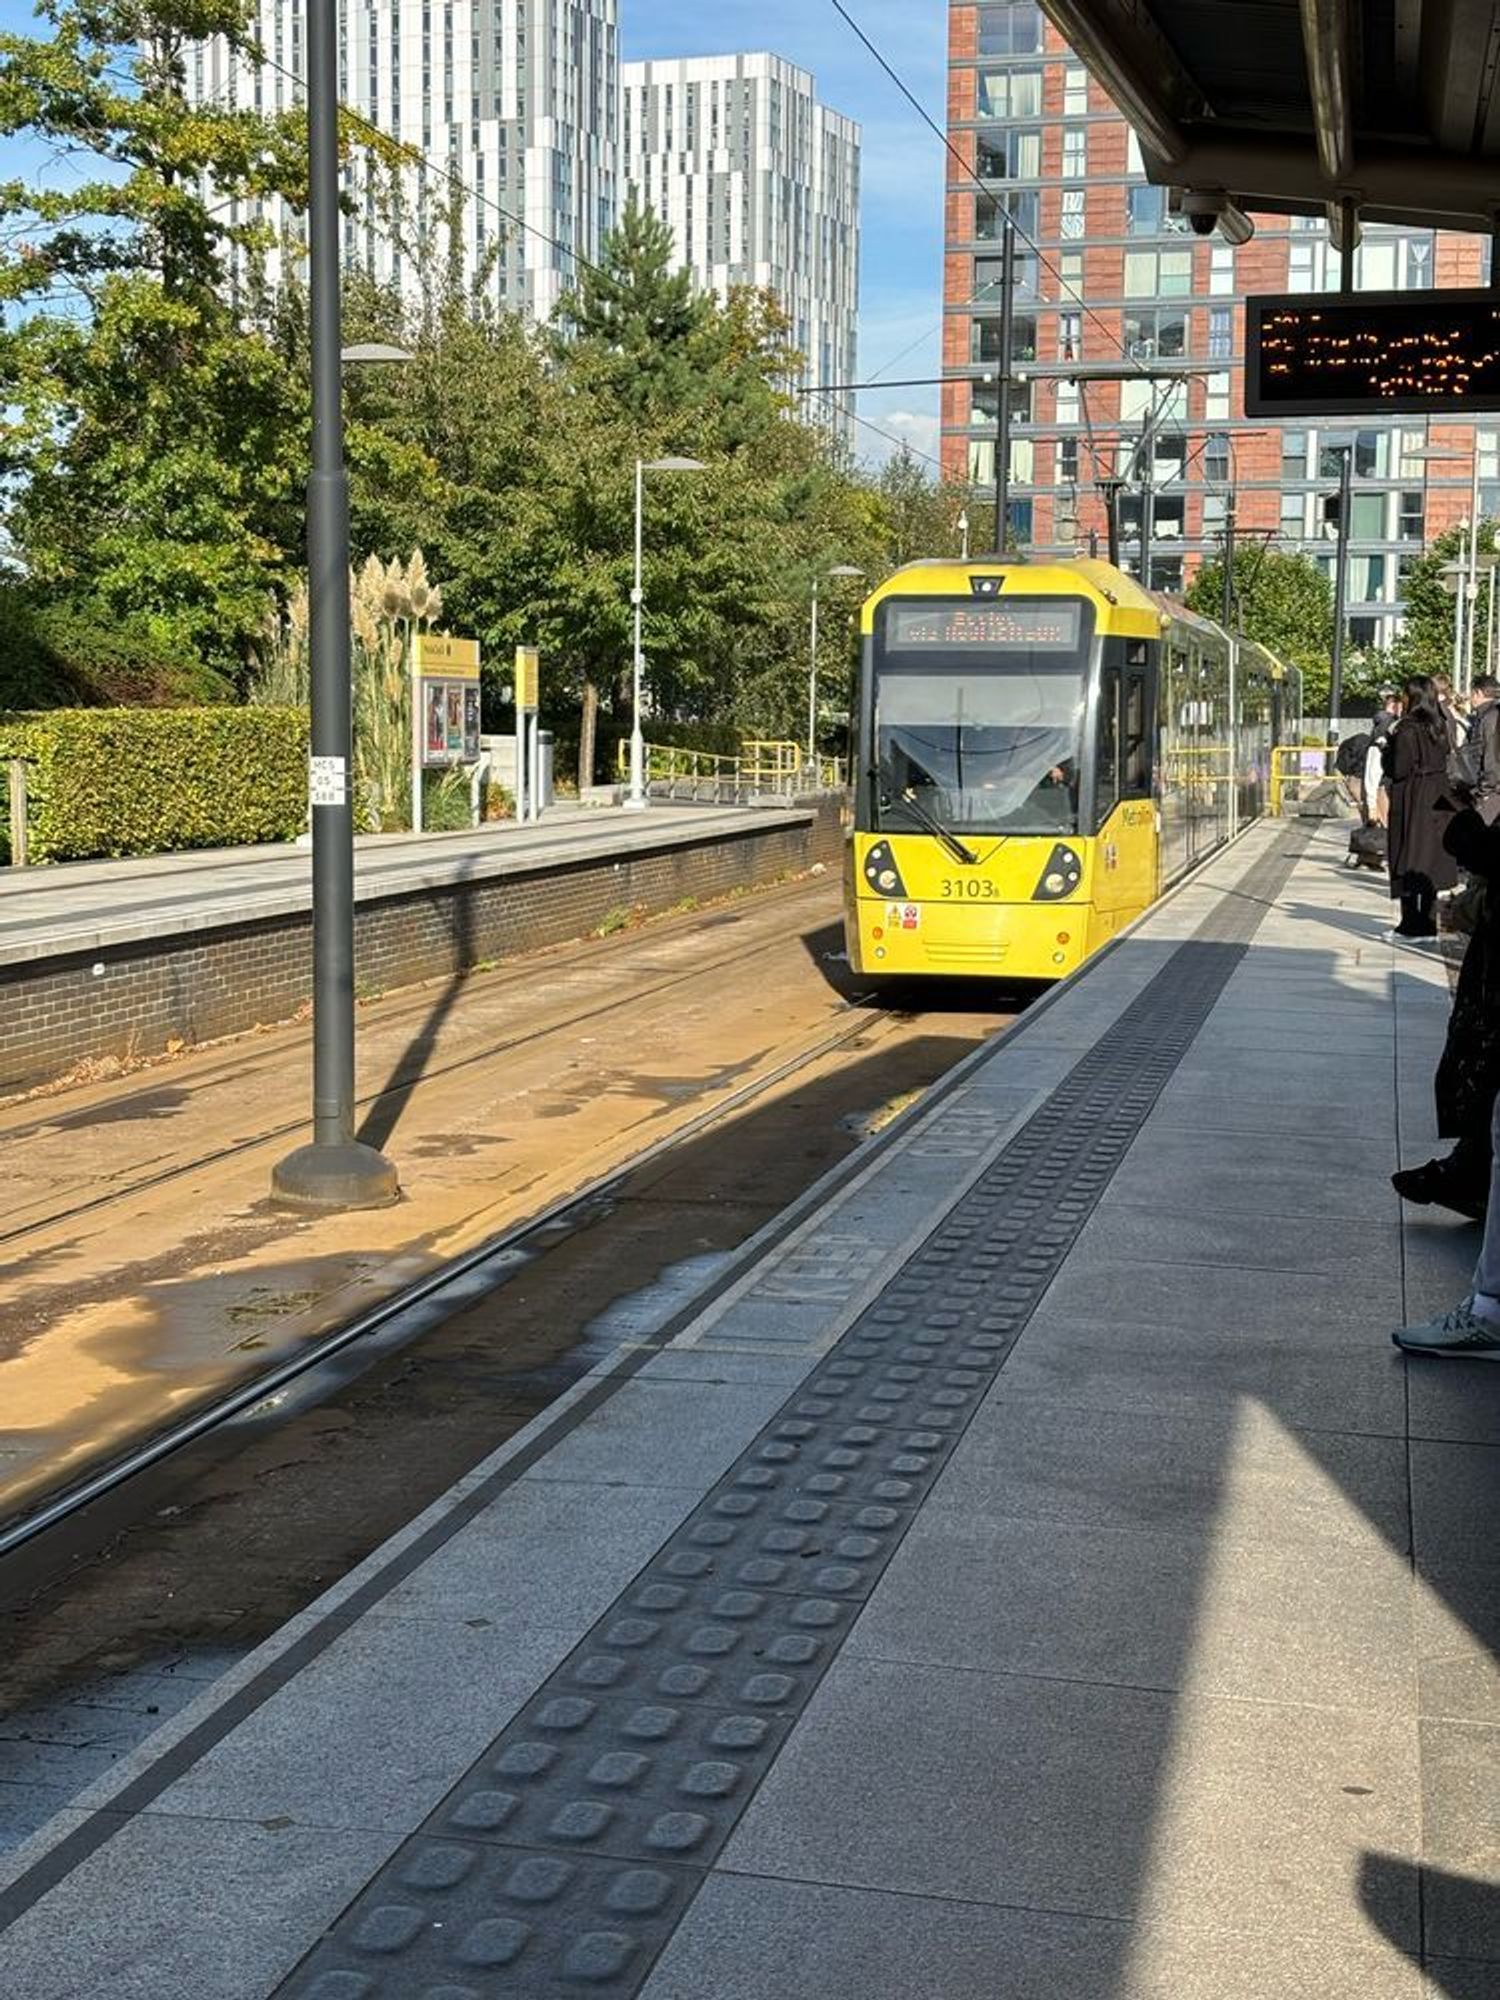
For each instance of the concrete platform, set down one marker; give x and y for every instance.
(119, 960)
(95, 905)
(1037, 1578)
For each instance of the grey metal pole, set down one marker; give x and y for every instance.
(1148, 496)
(335, 1171)
(812, 683)
(1007, 342)
(1340, 586)
(637, 796)
(1227, 610)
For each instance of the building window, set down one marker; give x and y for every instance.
(1147, 214)
(1069, 336)
(1411, 517)
(1294, 514)
(989, 277)
(1375, 265)
(1417, 263)
(1215, 512)
(1010, 93)
(1367, 578)
(1022, 205)
(1158, 274)
(1066, 407)
(1216, 398)
(1011, 156)
(984, 403)
(1075, 90)
(1070, 225)
(1367, 517)
(986, 340)
(1364, 632)
(1221, 269)
(1166, 574)
(1134, 164)
(1155, 332)
(1067, 461)
(1075, 152)
(1220, 332)
(1216, 457)
(1010, 30)
(1294, 455)
(1070, 274)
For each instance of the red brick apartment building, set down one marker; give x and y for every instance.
(1106, 272)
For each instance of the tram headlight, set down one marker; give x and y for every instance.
(881, 872)
(1060, 877)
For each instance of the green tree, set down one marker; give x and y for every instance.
(1425, 643)
(638, 310)
(917, 517)
(154, 444)
(1285, 603)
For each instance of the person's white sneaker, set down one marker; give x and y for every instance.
(1461, 1332)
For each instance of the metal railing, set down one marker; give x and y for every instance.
(1296, 768)
(763, 768)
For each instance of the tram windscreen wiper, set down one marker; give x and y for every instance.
(950, 840)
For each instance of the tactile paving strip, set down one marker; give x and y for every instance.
(562, 1862)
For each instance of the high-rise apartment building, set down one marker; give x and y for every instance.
(1107, 274)
(516, 99)
(760, 184)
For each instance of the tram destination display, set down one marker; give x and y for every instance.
(956, 626)
(1372, 353)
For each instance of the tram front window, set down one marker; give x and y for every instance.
(989, 746)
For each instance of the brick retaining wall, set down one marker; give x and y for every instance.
(133, 1000)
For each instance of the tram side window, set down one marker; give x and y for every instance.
(1107, 755)
(1136, 772)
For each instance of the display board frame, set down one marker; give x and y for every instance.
(1444, 345)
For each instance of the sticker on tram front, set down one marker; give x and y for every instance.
(903, 917)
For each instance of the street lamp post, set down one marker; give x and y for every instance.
(839, 569)
(963, 536)
(636, 798)
(336, 1170)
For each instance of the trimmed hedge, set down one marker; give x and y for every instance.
(115, 781)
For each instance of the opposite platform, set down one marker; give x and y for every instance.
(1036, 1575)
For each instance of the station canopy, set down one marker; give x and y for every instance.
(1300, 106)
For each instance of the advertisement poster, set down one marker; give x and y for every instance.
(455, 720)
(437, 720)
(471, 724)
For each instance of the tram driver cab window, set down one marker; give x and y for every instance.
(979, 716)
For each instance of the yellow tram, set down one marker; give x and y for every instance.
(1040, 750)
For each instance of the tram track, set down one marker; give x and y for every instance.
(393, 1092)
(505, 1246)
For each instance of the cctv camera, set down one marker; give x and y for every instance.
(1208, 209)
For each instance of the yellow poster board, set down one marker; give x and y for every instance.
(528, 677)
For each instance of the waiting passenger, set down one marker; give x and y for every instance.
(1471, 1330)
(1468, 1075)
(1482, 749)
(1415, 764)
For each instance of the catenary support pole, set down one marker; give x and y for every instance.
(1007, 357)
(1227, 609)
(812, 682)
(1340, 586)
(335, 1171)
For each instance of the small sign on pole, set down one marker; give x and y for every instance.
(528, 733)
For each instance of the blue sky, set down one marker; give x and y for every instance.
(901, 291)
(902, 247)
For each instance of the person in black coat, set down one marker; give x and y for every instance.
(1416, 776)
(1468, 1076)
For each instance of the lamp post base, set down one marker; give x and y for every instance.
(347, 1175)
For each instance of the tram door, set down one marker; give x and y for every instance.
(1124, 881)
(1176, 762)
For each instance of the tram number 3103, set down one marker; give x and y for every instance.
(969, 889)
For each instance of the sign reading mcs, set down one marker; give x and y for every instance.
(1372, 353)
